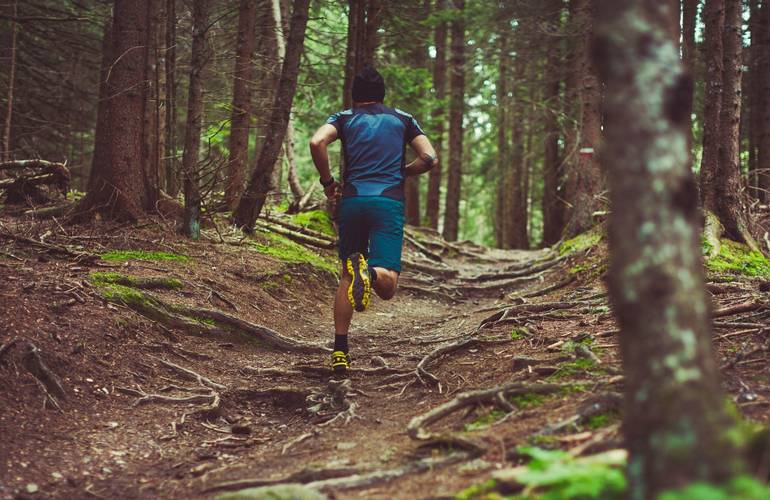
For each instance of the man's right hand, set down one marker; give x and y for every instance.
(333, 192)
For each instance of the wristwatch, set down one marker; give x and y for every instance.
(327, 183)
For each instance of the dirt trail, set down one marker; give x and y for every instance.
(478, 319)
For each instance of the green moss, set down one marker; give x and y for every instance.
(288, 251)
(519, 333)
(485, 420)
(479, 491)
(737, 258)
(317, 220)
(581, 242)
(128, 296)
(528, 400)
(547, 441)
(601, 420)
(123, 255)
(571, 369)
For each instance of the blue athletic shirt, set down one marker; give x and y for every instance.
(374, 139)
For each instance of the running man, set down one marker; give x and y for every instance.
(370, 211)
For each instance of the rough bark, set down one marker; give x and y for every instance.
(714, 17)
(102, 133)
(293, 178)
(280, 45)
(192, 139)
(689, 56)
(753, 97)
(553, 207)
(253, 199)
(515, 197)
(439, 83)
(503, 150)
(170, 165)
(456, 112)
(240, 118)
(763, 75)
(150, 154)
(585, 178)
(355, 21)
(118, 191)
(6, 153)
(676, 425)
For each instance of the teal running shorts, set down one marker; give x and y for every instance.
(373, 226)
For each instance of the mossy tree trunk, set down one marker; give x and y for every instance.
(720, 183)
(676, 425)
(192, 141)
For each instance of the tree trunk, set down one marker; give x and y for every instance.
(254, 198)
(439, 83)
(714, 17)
(192, 138)
(293, 179)
(676, 424)
(585, 178)
(101, 152)
(280, 45)
(355, 21)
(6, 153)
(515, 198)
(170, 165)
(151, 174)
(763, 75)
(502, 216)
(689, 56)
(753, 98)
(553, 207)
(730, 208)
(117, 191)
(240, 118)
(456, 112)
(161, 103)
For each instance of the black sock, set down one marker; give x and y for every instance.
(372, 275)
(341, 343)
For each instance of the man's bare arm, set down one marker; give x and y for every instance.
(426, 156)
(318, 149)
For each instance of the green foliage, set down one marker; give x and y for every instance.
(484, 420)
(581, 242)
(317, 220)
(736, 258)
(556, 475)
(286, 250)
(123, 255)
(742, 487)
(601, 420)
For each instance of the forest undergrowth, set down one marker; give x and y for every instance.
(134, 362)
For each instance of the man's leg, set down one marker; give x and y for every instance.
(343, 311)
(386, 282)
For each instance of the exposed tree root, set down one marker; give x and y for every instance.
(518, 273)
(543, 291)
(751, 305)
(189, 319)
(422, 248)
(602, 403)
(443, 272)
(510, 313)
(296, 236)
(417, 428)
(211, 399)
(50, 248)
(302, 477)
(335, 403)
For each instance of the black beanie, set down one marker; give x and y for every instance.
(368, 86)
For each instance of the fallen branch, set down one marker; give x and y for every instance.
(526, 271)
(34, 364)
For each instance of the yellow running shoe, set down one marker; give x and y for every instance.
(360, 289)
(340, 363)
